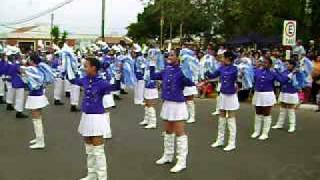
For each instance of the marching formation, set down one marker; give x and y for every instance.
(105, 73)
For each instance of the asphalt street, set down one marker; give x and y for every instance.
(132, 151)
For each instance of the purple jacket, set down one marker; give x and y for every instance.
(55, 63)
(38, 92)
(264, 79)
(139, 67)
(3, 66)
(13, 70)
(287, 86)
(228, 77)
(173, 82)
(94, 90)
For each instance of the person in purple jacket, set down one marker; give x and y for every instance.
(139, 65)
(36, 101)
(2, 82)
(289, 98)
(174, 111)
(58, 83)
(14, 71)
(229, 102)
(93, 124)
(151, 95)
(264, 97)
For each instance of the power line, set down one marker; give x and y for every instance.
(50, 10)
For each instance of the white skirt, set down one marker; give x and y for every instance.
(108, 101)
(174, 111)
(189, 91)
(36, 102)
(151, 93)
(93, 125)
(264, 99)
(289, 98)
(228, 102)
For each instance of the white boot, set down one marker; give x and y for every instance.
(146, 116)
(257, 126)
(232, 126)
(100, 162)
(168, 151)
(221, 132)
(266, 128)
(182, 153)
(217, 112)
(35, 132)
(292, 120)
(90, 163)
(191, 110)
(108, 134)
(39, 135)
(281, 119)
(152, 119)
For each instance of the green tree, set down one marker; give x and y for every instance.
(55, 33)
(64, 36)
(57, 37)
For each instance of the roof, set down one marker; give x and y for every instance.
(28, 32)
(116, 39)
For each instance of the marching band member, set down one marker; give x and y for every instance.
(36, 76)
(14, 71)
(108, 101)
(70, 61)
(139, 69)
(264, 97)
(229, 103)
(93, 121)
(187, 56)
(2, 82)
(289, 97)
(220, 56)
(8, 83)
(58, 83)
(75, 92)
(174, 111)
(150, 92)
(117, 65)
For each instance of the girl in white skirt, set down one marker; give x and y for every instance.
(2, 82)
(289, 97)
(174, 111)
(36, 100)
(93, 124)
(264, 97)
(139, 65)
(229, 103)
(150, 96)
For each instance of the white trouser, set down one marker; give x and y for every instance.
(58, 89)
(74, 95)
(1, 87)
(139, 92)
(67, 86)
(19, 101)
(10, 93)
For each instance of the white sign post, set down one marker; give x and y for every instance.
(289, 33)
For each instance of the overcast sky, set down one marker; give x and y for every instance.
(81, 16)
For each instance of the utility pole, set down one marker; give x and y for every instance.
(161, 26)
(51, 26)
(103, 18)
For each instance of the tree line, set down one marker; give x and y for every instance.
(226, 18)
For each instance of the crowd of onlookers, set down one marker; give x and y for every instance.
(309, 94)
